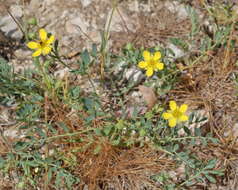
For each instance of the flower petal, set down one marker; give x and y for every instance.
(33, 45)
(183, 108)
(46, 50)
(159, 66)
(149, 72)
(36, 53)
(183, 118)
(146, 55)
(172, 122)
(167, 115)
(50, 40)
(43, 35)
(157, 56)
(172, 105)
(142, 64)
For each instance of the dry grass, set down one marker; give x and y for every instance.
(210, 86)
(118, 168)
(152, 30)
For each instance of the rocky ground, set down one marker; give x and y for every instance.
(78, 23)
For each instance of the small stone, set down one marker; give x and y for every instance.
(35, 5)
(49, 2)
(85, 3)
(16, 11)
(10, 28)
(117, 24)
(133, 74)
(135, 97)
(75, 25)
(12, 133)
(177, 8)
(177, 51)
(95, 36)
(62, 73)
(232, 132)
(22, 54)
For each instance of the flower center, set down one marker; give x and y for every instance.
(151, 63)
(176, 113)
(43, 44)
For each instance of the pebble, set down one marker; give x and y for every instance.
(177, 8)
(133, 74)
(75, 25)
(10, 28)
(16, 11)
(177, 51)
(85, 3)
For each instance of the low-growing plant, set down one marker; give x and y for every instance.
(67, 131)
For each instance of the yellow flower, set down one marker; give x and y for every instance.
(176, 114)
(151, 62)
(43, 46)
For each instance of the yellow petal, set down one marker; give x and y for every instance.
(50, 40)
(146, 55)
(43, 35)
(36, 53)
(157, 56)
(183, 118)
(183, 108)
(46, 50)
(172, 122)
(33, 45)
(159, 66)
(167, 115)
(149, 72)
(142, 64)
(172, 105)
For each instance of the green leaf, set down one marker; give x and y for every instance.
(97, 149)
(2, 163)
(49, 175)
(194, 20)
(180, 43)
(211, 164)
(186, 129)
(85, 58)
(193, 142)
(98, 131)
(142, 132)
(52, 129)
(197, 132)
(94, 50)
(64, 127)
(210, 178)
(190, 183)
(107, 130)
(116, 142)
(20, 145)
(217, 172)
(59, 178)
(214, 140)
(191, 118)
(175, 148)
(40, 132)
(56, 45)
(120, 124)
(204, 141)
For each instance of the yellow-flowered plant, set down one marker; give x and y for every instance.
(43, 46)
(151, 62)
(176, 114)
